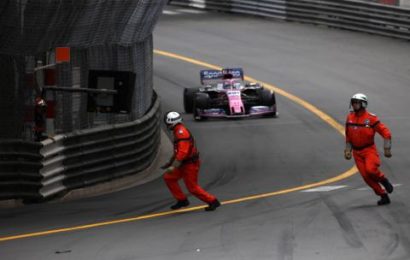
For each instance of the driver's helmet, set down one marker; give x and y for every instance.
(226, 75)
(228, 84)
(237, 85)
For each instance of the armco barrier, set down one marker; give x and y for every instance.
(20, 163)
(37, 171)
(345, 14)
(87, 157)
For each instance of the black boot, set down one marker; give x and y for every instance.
(384, 200)
(180, 204)
(387, 185)
(213, 205)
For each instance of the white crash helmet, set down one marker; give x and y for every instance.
(172, 118)
(40, 102)
(359, 97)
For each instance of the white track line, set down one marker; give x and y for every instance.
(325, 188)
(168, 12)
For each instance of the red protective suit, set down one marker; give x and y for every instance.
(186, 151)
(40, 111)
(361, 127)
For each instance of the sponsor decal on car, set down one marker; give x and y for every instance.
(233, 93)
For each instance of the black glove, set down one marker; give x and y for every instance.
(387, 152)
(348, 154)
(165, 166)
(169, 163)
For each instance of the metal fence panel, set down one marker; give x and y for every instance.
(108, 34)
(346, 14)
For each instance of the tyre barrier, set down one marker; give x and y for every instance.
(41, 171)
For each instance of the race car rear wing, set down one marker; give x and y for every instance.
(213, 76)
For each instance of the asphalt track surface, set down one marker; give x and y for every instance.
(242, 158)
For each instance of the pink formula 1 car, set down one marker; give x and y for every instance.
(224, 94)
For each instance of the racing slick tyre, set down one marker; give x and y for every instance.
(189, 95)
(273, 103)
(268, 98)
(197, 116)
(201, 101)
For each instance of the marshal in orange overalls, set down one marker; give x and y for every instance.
(361, 127)
(186, 152)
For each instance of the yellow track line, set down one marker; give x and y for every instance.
(292, 97)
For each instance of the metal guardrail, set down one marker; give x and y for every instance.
(20, 163)
(37, 171)
(344, 14)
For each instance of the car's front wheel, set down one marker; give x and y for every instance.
(201, 101)
(189, 95)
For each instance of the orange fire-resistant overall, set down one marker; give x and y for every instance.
(361, 127)
(186, 151)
